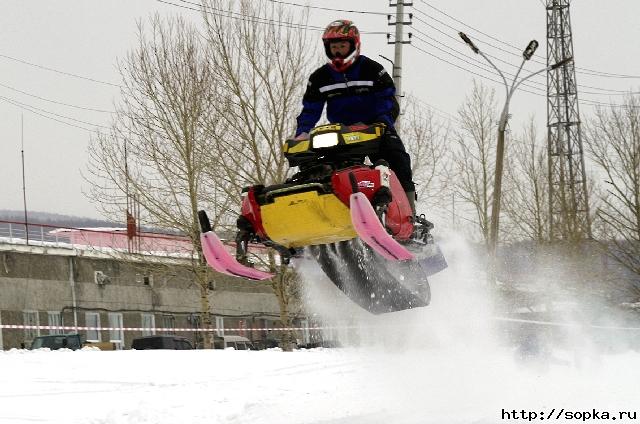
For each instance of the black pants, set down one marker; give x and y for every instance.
(392, 150)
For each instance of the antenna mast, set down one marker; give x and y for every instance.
(568, 197)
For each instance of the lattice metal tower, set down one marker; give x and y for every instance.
(568, 197)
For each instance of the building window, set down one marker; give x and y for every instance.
(220, 326)
(194, 320)
(116, 334)
(145, 279)
(169, 324)
(55, 320)
(241, 327)
(92, 321)
(148, 324)
(31, 318)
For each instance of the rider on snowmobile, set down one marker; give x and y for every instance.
(356, 89)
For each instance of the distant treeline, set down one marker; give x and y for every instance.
(57, 220)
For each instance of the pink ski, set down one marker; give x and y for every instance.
(219, 259)
(370, 229)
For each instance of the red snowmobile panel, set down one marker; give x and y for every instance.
(399, 216)
(368, 181)
(251, 210)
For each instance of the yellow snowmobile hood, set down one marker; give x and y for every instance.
(307, 218)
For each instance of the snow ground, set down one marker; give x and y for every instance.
(441, 364)
(321, 386)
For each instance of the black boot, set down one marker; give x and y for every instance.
(411, 195)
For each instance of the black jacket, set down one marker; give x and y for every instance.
(364, 93)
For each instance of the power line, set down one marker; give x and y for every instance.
(583, 70)
(456, 29)
(465, 59)
(581, 101)
(471, 63)
(468, 26)
(32, 108)
(455, 39)
(609, 92)
(53, 101)
(605, 91)
(443, 114)
(462, 67)
(477, 63)
(29, 109)
(57, 71)
(364, 12)
(242, 17)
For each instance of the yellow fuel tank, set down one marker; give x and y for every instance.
(307, 218)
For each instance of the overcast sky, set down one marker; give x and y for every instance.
(86, 38)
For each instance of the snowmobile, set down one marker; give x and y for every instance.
(351, 216)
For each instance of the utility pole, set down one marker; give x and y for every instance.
(24, 186)
(398, 42)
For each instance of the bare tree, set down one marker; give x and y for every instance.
(526, 203)
(261, 62)
(166, 104)
(261, 65)
(612, 139)
(427, 140)
(474, 156)
(286, 285)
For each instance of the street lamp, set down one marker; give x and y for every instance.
(502, 125)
